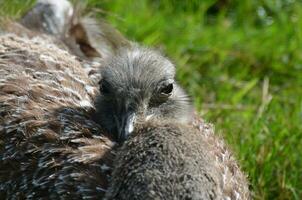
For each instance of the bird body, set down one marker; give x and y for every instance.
(164, 161)
(167, 160)
(50, 148)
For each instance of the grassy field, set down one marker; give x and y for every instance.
(242, 63)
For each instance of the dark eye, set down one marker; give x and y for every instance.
(167, 89)
(104, 87)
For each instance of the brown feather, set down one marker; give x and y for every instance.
(49, 146)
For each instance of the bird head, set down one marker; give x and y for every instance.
(136, 85)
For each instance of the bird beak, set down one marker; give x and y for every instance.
(127, 126)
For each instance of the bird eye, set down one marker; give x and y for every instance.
(167, 89)
(104, 87)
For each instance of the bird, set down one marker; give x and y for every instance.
(164, 159)
(138, 84)
(57, 135)
(52, 148)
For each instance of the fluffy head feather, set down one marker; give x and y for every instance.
(136, 85)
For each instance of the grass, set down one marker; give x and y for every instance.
(242, 63)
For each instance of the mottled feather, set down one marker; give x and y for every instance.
(49, 146)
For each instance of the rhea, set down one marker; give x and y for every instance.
(138, 84)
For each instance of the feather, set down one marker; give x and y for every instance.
(49, 145)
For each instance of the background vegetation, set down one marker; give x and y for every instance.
(241, 61)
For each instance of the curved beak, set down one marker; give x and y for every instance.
(126, 126)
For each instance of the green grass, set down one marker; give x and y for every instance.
(242, 64)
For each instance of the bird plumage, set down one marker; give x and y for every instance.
(50, 148)
(167, 160)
